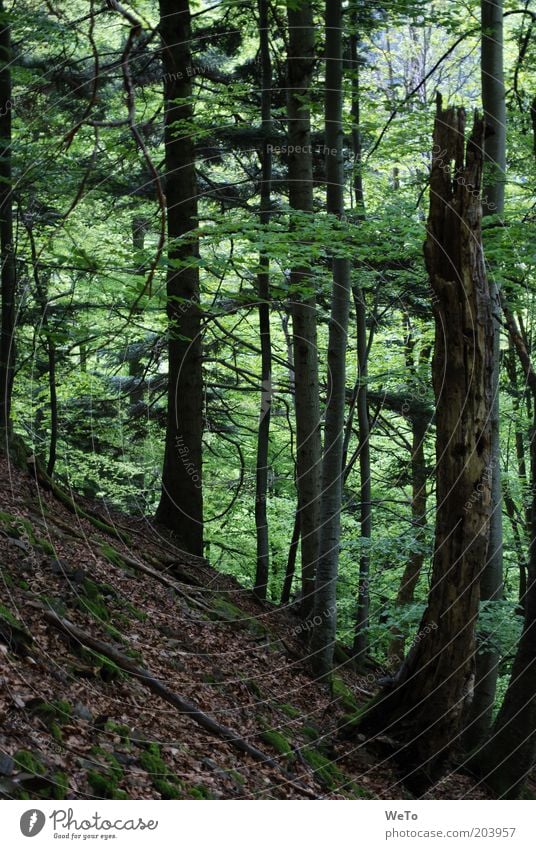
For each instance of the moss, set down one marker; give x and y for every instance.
(135, 654)
(46, 546)
(135, 612)
(236, 776)
(108, 670)
(198, 791)
(167, 789)
(325, 771)
(276, 740)
(120, 794)
(103, 784)
(18, 527)
(114, 633)
(112, 769)
(24, 585)
(10, 619)
(152, 762)
(90, 589)
(163, 779)
(62, 785)
(110, 554)
(342, 692)
(290, 710)
(123, 731)
(28, 762)
(310, 732)
(56, 732)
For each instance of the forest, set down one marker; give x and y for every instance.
(268, 399)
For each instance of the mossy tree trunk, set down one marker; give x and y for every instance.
(424, 705)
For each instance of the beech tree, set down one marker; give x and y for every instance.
(181, 502)
(301, 60)
(494, 105)
(322, 644)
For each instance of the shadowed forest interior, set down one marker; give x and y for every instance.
(267, 399)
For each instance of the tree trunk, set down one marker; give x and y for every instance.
(7, 249)
(363, 596)
(493, 102)
(410, 578)
(263, 283)
(181, 502)
(307, 396)
(507, 756)
(361, 641)
(323, 635)
(423, 706)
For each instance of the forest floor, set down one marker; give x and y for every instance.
(74, 724)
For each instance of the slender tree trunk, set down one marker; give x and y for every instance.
(7, 250)
(424, 705)
(140, 225)
(181, 502)
(291, 560)
(307, 396)
(41, 296)
(506, 758)
(323, 635)
(410, 578)
(363, 597)
(493, 101)
(263, 282)
(363, 600)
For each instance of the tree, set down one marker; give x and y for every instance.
(323, 639)
(263, 277)
(423, 706)
(7, 248)
(507, 756)
(493, 101)
(301, 60)
(181, 502)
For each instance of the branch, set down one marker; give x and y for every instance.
(156, 687)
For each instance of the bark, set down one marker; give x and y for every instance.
(181, 502)
(41, 295)
(423, 706)
(263, 283)
(493, 101)
(301, 58)
(7, 250)
(323, 635)
(410, 577)
(291, 560)
(136, 370)
(363, 598)
(508, 754)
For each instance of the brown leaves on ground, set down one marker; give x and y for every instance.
(74, 726)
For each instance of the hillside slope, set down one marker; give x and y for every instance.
(85, 720)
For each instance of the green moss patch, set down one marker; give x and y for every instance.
(277, 741)
(343, 693)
